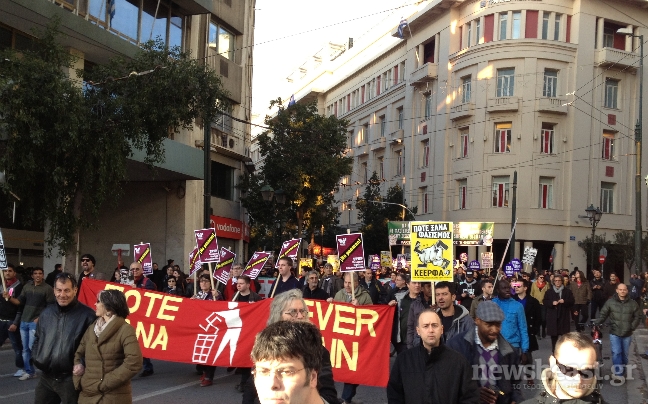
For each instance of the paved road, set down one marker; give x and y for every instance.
(176, 382)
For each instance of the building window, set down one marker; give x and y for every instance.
(463, 193)
(428, 106)
(503, 20)
(607, 197)
(500, 191)
(363, 135)
(608, 145)
(400, 118)
(424, 200)
(469, 42)
(365, 173)
(611, 93)
(608, 37)
(503, 138)
(557, 27)
(221, 41)
(395, 75)
(381, 168)
(546, 193)
(517, 25)
(545, 25)
(463, 142)
(505, 82)
(383, 125)
(400, 163)
(547, 138)
(378, 85)
(477, 31)
(466, 89)
(425, 156)
(362, 94)
(222, 181)
(550, 83)
(428, 52)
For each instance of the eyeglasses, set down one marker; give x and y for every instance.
(541, 277)
(171, 280)
(204, 280)
(572, 372)
(294, 312)
(85, 260)
(278, 373)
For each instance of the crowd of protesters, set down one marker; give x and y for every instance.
(483, 319)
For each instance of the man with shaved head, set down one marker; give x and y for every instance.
(418, 372)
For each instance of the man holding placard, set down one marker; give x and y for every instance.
(286, 280)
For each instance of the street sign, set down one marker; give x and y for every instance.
(602, 259)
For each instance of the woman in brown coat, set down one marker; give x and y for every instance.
(582, 295)
(109, 355)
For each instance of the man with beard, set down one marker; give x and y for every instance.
(533, 314)
(571, 376)
(486, 349)
(330, 283)
(514, 327)
(609, 289)
(88, 263)
(454, 317)
(312, 291)
(468, 289)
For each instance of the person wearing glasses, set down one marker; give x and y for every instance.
(109, 355)
(290, 306)
(287, 363)
(538, 290)
(625, 316)
(58, 335)
(172, 286)
(484, 348)
(312, 289)
(558, 301)
(571, 376)
(88, 263)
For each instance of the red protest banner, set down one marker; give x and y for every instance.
(207, 245)
(350, 251)
(289, 248)
(176, 329)
(142, 253)
(256, 263)
(194, 261)
(224, 267)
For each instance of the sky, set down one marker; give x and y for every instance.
(288, 32)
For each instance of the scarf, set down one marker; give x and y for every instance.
(540, 284)
(101, 324)
(559, 290)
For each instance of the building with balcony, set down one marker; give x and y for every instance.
(162, 209)
(478, 90)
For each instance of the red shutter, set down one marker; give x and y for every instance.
(619, 41)
(425, 129)
(423, 176)
(531, 29)
(611, 119)
(489, 25)
(463, 198)
(568, 32)
(500, 195)
(544, 196)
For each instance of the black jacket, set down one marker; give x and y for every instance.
(598, 295)
(317, 294)
(58, 334)
(464, 343)
(533, 314)
(8, 310)
(442, 376)
(376, 290)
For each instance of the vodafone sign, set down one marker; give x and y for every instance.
(230, 228)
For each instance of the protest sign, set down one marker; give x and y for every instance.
(224, 266)
(256, 262)
(386, 259)
(3, 254)
(487, 260)
(289, 248)
(474, 266)
(509, 270)
(334, 260)
(142, 254)
(213, 333)
(473, 233)
(194, 261)
(432, 253)
(374, 262)
(529, 255)
(350, 251)
(398, 233)
(207, 245)
(516, 264)
(306, 263)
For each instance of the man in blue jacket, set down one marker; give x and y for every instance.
(514, 326)
(488, 352)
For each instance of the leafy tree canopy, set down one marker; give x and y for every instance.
(303, 155)
(64, 142)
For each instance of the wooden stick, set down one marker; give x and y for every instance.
(195, 286)
(275, 286)
(4, 285)
(236, 295)
(433, 295)
(211, 275)
(352, 286)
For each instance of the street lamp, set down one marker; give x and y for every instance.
(397, 204)
(638, 135)
(594, 216)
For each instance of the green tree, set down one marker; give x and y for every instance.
(374, 216)
(303, 155)
(64, 142)
(624, 243)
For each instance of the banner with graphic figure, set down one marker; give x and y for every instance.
(432, 252)
(176, 329)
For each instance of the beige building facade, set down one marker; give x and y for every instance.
(478, 90)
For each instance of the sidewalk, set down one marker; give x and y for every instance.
(637, 388)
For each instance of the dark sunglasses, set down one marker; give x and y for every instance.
(572, 372)
(85, 260)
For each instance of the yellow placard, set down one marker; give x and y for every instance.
(305, 262)
(432, 251)
(334, 260)
(385, 259)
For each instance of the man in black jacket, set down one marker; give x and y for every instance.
(311, 290)
(486, 350)
(10, 317)
(598, 295)
(430, 372)
(374, 287)
(58, 334)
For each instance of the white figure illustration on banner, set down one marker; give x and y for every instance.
(433, 254)
(231, 324)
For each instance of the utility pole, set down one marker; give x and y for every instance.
(207, 173)
(513, 212)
